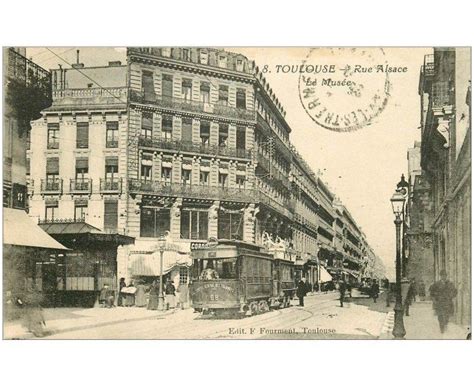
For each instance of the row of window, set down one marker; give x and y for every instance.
(270, 119)
(82, 135)
(194, 223)
(81, 212)
(146, 174)
(81, 169)
(187, 130)
(149, 94)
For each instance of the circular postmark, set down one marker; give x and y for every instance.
(344, 89)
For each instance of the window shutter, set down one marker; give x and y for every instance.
(82, 163)
(110, 214)
(52, 166)
(147, 120)
(111, 160)
(82, 136)
(167, 86)
(112, 125)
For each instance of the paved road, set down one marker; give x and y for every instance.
(320, 318)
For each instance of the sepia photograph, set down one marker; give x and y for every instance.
(236, 193)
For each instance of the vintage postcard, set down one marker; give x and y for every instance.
(293, 193)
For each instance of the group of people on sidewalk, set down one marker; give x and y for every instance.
(137, 293)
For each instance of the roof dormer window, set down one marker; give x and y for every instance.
(222, 61)
(204, 57)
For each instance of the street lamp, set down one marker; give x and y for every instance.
(319, 267)
(161, 297)
(398, 204)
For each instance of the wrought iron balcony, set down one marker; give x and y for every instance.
(30, 184)
(428, 65)
(51, 186)
(193, 147)
(193, 106)
(441, 94)
(192, 191)
(285, 208)
(80, 186)
(111, 186)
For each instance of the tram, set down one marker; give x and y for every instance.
(230, 276)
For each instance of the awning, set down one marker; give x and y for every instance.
(65, 231)
(148, 264)
(325, 275)
(21, 230)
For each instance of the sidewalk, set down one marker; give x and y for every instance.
(422, 324)
(60, 320)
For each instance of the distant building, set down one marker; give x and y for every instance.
(445, 92)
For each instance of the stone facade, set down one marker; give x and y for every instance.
(445, 93)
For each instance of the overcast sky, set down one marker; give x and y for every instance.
(362, 167)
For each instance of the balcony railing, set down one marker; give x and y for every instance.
(428, 65)
(192, 191)
(198, 148)
(285, 208)
(193, 106)
(441, 94)
(111, 186)
(30, 185)
(51, 186)
(80, 186)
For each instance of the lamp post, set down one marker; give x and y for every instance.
(319, 267)
(161, 297)
(403, 184)
(398, 204)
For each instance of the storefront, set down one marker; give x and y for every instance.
(144, 263)
(76, 277)
(24, 245)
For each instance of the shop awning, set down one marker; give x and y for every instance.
(83, 232)
(148, 264)
(325, 275)
(21, 230)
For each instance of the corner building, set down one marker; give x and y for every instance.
(191, 136)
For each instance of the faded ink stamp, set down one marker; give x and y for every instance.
(345, 89)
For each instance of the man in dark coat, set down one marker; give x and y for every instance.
(442, 293)
(374, 290)
(301, 291)
(121, 295)
(342, 291)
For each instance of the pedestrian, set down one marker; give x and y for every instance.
(342, 291)
(153, 297)
(106, 297)
(422, 290)
(374, 290)
(121, 295)
(130, 294)
(411, 293)
(183, 291)
(140, 295)
(301, 291)
(349, 289)
(442, 293)
(170, 292)
(33, 319)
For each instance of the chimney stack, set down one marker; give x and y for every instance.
(77, 65)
